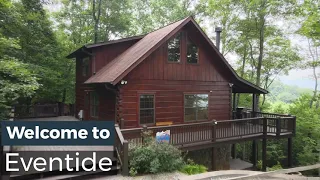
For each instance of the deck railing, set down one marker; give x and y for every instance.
(36, 111)
(121, 147)
(195, 134)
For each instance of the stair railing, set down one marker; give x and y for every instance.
(122, 149)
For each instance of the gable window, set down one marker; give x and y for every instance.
(196, 107)
(174, 49)
(192, 52)
(94, 104)
(85, 66)
(146, 113)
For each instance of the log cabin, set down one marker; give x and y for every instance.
(173, 78)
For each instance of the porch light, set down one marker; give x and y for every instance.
(123, 82)
(230, 84)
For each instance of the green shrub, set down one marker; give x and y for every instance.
(133, 171)
(275, 167)
(193, 169)
(259, 165)
(154, 158)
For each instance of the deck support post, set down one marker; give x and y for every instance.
(213, 134)
(264, 154)
(214, 157)
(264, 145)
(290, 164)
(233, 151)
(254, 153)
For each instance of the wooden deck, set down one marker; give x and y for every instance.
(216, 132)
(193, 136)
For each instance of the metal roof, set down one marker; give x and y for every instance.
(118, 68)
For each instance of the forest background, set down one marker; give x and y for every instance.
(262, 39)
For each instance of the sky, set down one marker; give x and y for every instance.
(301, 78)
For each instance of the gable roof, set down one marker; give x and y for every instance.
(114, 71)
(118, 68)
(89, 46)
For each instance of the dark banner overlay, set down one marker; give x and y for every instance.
(33, 147)
(70, 133)
(57, 162)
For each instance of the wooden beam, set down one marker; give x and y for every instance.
(255, 102)
(264, 154)
(289, 156)
(233, 151)
(214, 158)
(254, 153)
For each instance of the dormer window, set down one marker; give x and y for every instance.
(192, 52)
(85, 66)
(174, 49)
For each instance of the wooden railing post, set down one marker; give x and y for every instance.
(278, 126)
(125, 167)
(143, 131)
(265, 126)
(214, 130)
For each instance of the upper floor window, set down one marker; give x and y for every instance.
(85, 66)
(146, 109)
(94, 104)
(196, 107)
(174, 49)
(192, 52)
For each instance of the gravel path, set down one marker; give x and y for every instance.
(215, 175)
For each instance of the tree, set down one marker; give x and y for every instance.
(311, 30)
(16, 79)
(93, 21)
(152, 14)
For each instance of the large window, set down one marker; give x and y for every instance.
(94, 104)
(196, 107)
(85, 66)
(147, 109)
(174, 49)
(192, 52)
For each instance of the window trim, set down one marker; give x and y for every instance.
(184, 109)
(180, 48)
(82, 66)
(91, 105)
(198, 51)
(154, 108)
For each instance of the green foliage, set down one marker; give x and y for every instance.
(259, 165)
(308, 131)
(192, 168)
(133, 172)
(154, 158)
(285, 93)
(275, 167)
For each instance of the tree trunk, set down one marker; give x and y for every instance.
(314, 97)
(242, 70)
(96, 19)
(261, 49)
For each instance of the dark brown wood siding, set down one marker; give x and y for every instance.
(169, 99)
(102, 56)
(170, 81)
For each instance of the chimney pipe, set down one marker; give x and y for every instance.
(218, 31)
